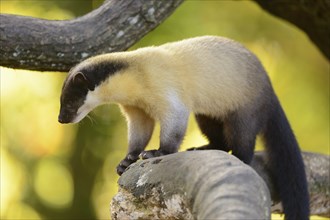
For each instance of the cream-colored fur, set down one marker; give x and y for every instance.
(209, 75)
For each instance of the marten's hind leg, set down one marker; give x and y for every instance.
(241, 129)
(213, 131)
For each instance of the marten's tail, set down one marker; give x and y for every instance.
(286, 165)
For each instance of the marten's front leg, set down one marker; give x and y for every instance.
(140, 128)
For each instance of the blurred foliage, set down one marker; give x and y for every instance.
(53, 171)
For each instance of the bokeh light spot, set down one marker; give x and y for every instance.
(53, 183)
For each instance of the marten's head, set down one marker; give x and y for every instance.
(78, 96)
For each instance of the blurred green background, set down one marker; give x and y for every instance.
(54, 171)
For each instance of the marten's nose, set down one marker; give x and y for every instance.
(63, 119)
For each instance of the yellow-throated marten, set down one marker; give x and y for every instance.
(217, 79)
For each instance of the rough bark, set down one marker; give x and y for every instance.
(311, 16)
(46, 45)
(209, 185)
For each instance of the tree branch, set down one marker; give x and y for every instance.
(209, 184)
(46, 45)
(311, 16)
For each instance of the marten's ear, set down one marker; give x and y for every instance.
(81, 80)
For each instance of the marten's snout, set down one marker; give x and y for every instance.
(65, 117)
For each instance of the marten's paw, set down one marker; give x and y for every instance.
(128, 160)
